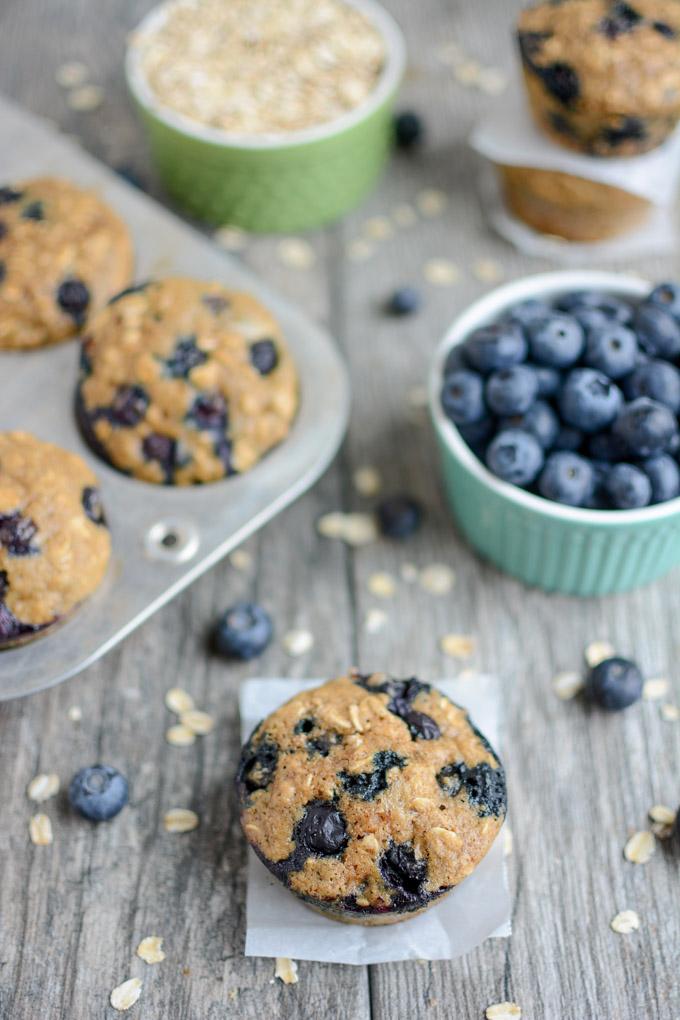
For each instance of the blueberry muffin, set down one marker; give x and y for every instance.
(54, 543)
(370, 798)
(63, 254)
(603, 77)
(185, 382)
(570, 207)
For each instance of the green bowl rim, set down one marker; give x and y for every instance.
(485, 310)
(387, 85)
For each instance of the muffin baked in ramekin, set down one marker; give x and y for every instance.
(603, 77)
(370, 797)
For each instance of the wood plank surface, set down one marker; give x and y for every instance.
(72, 914)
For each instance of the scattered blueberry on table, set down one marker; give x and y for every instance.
(404, 301)
(408, 130)
(98, 792)
(614, 684)
(399, 516)
(243, 631)
(575, 399)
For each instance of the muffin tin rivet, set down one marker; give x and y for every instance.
(172, 540)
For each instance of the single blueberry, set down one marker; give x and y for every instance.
(614, 684)
(399, 516)
(627, 487)
(511, 390)
(478, 433)
(462, 397)
(186, 356)
(73, 297)
(611, 349)
(607, 447)
(591, 318)
(556, 341)
(656, 379)
(98, 792)
(402, 870)
(612, 308)
(494, 347)
(17, 533)
(33, 211)
(92, 505)
(322, 829)
(667, 295)
(8, 195)
(658, 331)
(367, 785)
(163, 449)
(209, 412)
(259, 761)
(243, 631)
(621, 18)
(129, 406)
(589, 401)
(404, 301)
(567, 478)
(562, 82)
(540, 420)
(515, 456)
(421, 726)
(548, 379)
(264, 356)
(408, 129)
(664, 476)
(568, 439)
(528, 311)
(646, 427)
(455, 360)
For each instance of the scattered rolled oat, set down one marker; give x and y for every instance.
(231, 238)
(180, 820)
(382, 585)
(378, 228)
(567, 684)
(441, 272)
(286, 970)
(354, 529)
(457, 646)
(503, 1011)
(655, 688)
(241, 559)
(431, 202)
(404, 215)
(42, 787)
(178, 700)
(297, 642)
(367, 481)
(671, 713)
(662, 814)
(468, 73)
(149, 949)
(625, 922)
(180, 736)
(124, 996)
(597, 651)
(200, 723)
(437, 579)
(359, 250)
(488, 271)
(86, 98)
(639, 847)
(409, 573)
(75, 713)
(375, 620)
(492, 80)
(296, 253)
(508, 841)
(40, 830)
(71, 74)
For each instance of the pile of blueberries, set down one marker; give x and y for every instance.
(576, 400)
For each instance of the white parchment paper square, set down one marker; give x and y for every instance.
(280, 925)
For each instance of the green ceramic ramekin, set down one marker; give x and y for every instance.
(277, 183)
(544, 544)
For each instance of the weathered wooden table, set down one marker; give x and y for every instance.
(72, 914)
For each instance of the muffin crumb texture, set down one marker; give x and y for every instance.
(370, 797)
(257, 67)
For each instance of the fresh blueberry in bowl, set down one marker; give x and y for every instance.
(667, 295)
(658, 331)
(659, 380)
(540, 420)
(646, 427)
(243, 631)
(98, 792)
(515, 456)
(627, 487)
(614, 684)
(611, 349)
(549, 380)
(399, 516)
(494, 347)
(511, 390)
(567, 478)
(556, 341)
(462, 397)
(664, 476)
(611, 307)
(589, 401)
(528, 311)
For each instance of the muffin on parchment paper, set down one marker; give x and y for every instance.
(184, 382)
(54, 542)
(603, 76)
(63, 253)
(370, 797)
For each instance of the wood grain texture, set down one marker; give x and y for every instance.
(71, 915)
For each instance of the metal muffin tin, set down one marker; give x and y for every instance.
(163, 537)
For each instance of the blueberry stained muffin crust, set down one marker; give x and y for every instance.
(184, 382)
(63, 254)
(603, 76)
(370, 797)
(54, 543)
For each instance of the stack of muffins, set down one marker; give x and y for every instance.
(603, 79)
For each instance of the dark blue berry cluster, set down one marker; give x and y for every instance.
(576, 400)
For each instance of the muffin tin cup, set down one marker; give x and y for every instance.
(275, 183)
(548, 545)
(163, 537)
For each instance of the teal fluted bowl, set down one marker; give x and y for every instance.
(548, 545)
(273, 183)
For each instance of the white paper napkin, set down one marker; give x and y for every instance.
(479, 908)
